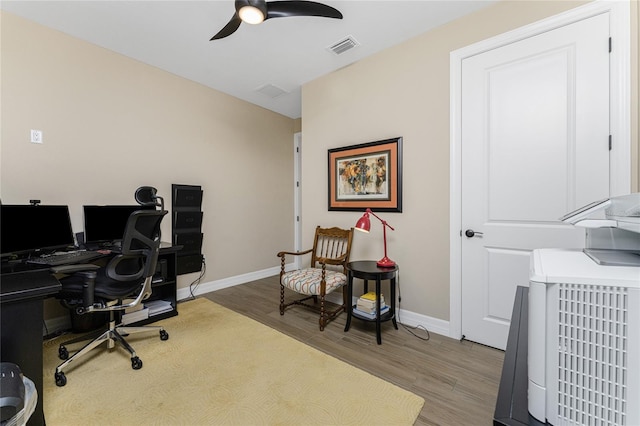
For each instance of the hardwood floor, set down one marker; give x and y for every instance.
(458, 380)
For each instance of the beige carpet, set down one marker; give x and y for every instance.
(217, 368)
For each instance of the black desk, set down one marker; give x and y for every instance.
(22, 290)
(369, 270)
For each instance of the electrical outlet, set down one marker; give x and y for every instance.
(36, 136)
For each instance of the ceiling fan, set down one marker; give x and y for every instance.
(256, 11)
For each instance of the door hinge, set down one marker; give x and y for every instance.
(610, 44)
(297, 184)
(297, 149)
(610, 142)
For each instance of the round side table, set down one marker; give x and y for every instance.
(369, 270)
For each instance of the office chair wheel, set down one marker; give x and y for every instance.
(63, 353)
(164, 335)
(136, 363)
(61, 379)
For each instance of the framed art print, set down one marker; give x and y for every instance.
(367, 175)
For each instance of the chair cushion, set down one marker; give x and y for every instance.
(307, 281)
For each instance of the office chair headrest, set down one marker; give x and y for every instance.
(146, 196)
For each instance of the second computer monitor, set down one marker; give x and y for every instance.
(105, 224)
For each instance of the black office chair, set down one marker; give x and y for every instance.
(90, 288)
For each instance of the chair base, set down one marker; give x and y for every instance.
(114, 334)
(325, 315)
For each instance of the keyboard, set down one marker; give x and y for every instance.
(67, 258)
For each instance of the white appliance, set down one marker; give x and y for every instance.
(584, 322)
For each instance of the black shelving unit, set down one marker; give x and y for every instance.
(164, 284)
(186, 210)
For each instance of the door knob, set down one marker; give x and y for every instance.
(471, 233)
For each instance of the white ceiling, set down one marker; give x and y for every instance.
(282, 52)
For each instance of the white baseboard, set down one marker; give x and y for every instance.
(408, 318)
(434, 325)
(203, 288)
(411, 319)
(58, 324)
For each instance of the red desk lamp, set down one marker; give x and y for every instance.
(364, 225)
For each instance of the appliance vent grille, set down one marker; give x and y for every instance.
(343, 45)
(592, 375)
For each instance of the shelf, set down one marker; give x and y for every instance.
(165, 290)
(154, 318)
(162, 283)
(384, 317)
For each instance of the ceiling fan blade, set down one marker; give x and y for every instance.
(228, 29)
(282, 9)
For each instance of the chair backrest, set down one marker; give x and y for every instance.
(334, 244)
(140, 247)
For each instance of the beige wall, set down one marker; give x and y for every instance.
(94, 105)
(404, 91)
(111, 124)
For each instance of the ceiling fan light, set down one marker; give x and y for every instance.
(251, 15)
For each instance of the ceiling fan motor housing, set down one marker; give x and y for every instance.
(256, 11)
(261, 5)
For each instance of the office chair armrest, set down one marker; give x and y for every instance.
(88, 274)
(70, 269)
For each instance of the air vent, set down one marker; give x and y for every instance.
(343, 45)
(271, 91)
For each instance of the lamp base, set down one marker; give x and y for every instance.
(385, 262)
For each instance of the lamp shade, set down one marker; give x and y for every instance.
(364, 224)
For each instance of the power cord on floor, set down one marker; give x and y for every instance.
(195, 283)
(46, 329)
(406, 327)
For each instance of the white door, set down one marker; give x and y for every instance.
(535, 145)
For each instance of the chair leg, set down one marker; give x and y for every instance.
(323, 315)
(87, 336)
(124, 330)
(116, 336)
(111, 336)
(105, 336)
(281, 299)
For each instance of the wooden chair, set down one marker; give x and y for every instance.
(325, 273)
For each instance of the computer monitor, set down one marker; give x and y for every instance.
(28, 228)
(105, 224)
